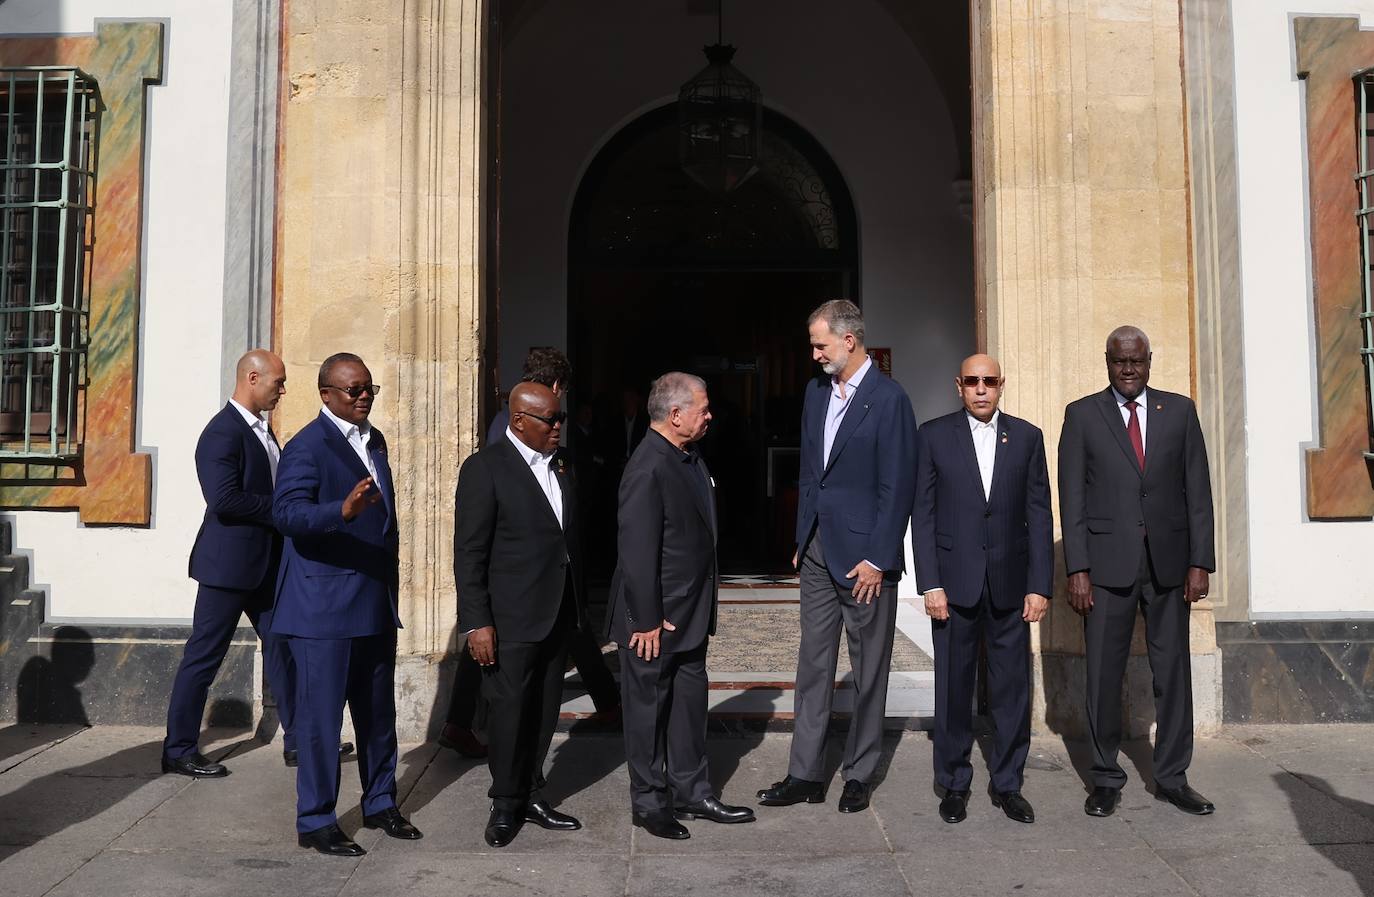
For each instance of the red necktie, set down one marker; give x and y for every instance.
(1133, 430)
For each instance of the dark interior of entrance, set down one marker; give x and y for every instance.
(666, 275)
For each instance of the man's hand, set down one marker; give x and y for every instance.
(794, 560)
(646, 644)
(360, 498)
(937, 608)
(1195, 589)
(1036, 605)
(482, 645)
(870, 580)
(1081, 593)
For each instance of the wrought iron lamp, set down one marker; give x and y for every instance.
(720, 120)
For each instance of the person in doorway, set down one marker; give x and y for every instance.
(336, 605)
(517, 563)
(1136, 503)
(984, 549)
(663, 613)
(858, 472)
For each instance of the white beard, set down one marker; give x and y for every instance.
(836, 365)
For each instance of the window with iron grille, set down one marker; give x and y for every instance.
(48, 136)
(1364, 98)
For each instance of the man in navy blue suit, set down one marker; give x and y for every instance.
(234, 559)
(983, 537)
(336, 605)
(858, 472)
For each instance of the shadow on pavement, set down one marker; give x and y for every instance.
(21, 737)
(1354, 859)
(1137, 750)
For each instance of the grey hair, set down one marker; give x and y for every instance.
(673, 390)
(842, 316)
(1128, 331)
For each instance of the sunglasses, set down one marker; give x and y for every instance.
(556, 418)
(973, 380)
(354, 391)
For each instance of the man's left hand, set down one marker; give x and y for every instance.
(870, 580)
(1195, 589)
(1035, 608)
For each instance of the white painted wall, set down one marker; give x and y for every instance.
(576, 73)
(1299, 568)
(125, 573)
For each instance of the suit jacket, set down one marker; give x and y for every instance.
(1109, 507)
(667, 548)
(862, 498)
(511, 559)
(962, 539)
(338, 578)
(238, 545)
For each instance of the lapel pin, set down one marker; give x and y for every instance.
(1159, 407)
(1004, 438)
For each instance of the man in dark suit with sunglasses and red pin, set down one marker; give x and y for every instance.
(517, 563)
(983, 538)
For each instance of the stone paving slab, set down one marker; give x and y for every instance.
(88, 812)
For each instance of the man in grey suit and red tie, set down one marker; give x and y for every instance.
(983, 536)
(1136, 507)
(858, 474)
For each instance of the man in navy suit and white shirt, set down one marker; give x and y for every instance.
(983, 538)
(336, 605)
(234, 559)
(858, 464)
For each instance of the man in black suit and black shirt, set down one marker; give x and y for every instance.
(663, 612)
(1136, 507)
(517, 561)
(983, 536)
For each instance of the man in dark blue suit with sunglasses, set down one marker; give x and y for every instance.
(336, 605)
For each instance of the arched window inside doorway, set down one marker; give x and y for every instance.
(665, 275)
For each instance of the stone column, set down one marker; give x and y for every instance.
(1082, 222)
(379, 253)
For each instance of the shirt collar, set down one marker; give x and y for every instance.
(852, 384)
(974, 424)
(530, 455)
(345, 427)
(251, 419)
(1122, 400)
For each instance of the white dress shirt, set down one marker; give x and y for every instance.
(541, 466)
(841, 394)
(985, 447)
(1140, 413)
(259, 428)
(358, 437)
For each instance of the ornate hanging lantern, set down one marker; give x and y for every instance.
(720, 120)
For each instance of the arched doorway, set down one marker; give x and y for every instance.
(665, 275)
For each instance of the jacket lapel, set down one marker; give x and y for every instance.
(963, 435)
(853, 416)
(1111, 414)
(523, 474)
(341, 449)
(1000, 452)
(1155, 414)
(376, 447)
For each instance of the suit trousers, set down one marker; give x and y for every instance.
(585, 651)
(360, 672)
(956, 661)
(1107, 632)
(825, 607)
(524, 690)
(213, 625)
(664, 705)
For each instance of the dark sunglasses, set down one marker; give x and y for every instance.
(973, 380)
(354, 391)
(556, 418)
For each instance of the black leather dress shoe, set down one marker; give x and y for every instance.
(855, 797)
(1102, 801)
(464, 741)
(541, 814)
(292, 759)
(662, 825)
(394, 824)
(712, 809)
(1017, 808)
(954, 807)
(502, 827)
(196, 765)
(331, 841)
(1186, 799)
(792, 791)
